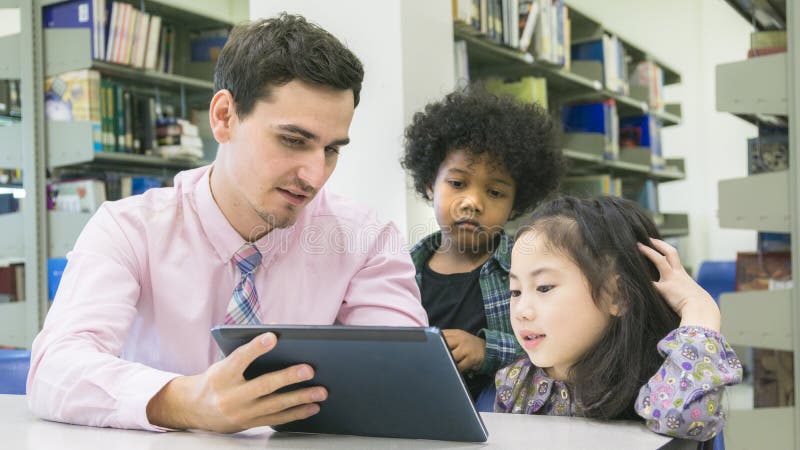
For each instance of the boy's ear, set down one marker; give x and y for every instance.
(429, 192)
(222, 115)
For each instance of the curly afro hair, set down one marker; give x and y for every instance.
(520, 136)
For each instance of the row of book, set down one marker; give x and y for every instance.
(603, 59)
(768, 42)
(10, 103)
(86, 195)
(644, 192)
(772, 370)
(123, 119)
(540, 27)
(125, 35)
(12, 282)
(601, 129)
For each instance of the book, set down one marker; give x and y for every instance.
(768, 153)
(774, 242)
(594, 118)
(8, 203)
(78, 195)
(526, 89)
(609, 52)
(528, 16)
(89, 14)
(206, 45)
(72, 96)
(592, 185)
(642, 131)
(646, 81)
(55, 268)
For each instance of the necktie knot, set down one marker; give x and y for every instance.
(247, 258)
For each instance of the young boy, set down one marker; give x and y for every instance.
(481, 160)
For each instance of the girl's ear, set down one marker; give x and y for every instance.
(613, 303)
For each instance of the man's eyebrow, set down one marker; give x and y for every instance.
(309, 135)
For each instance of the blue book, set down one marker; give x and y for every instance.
(89, 14)
(642, 131)
(588, 51)
(140, 185)
(55, 268)
(600, 118)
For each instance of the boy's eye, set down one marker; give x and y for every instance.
(515, 293)
(332, 150)
(495, 194)
(544, 288)
(456, 183)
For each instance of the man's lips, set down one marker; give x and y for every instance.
(294, 196)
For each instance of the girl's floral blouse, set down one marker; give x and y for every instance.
(682, 399)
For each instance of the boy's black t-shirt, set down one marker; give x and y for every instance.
(456, 301)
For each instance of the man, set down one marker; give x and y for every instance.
(251, 239)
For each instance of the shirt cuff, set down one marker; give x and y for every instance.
(138, 393)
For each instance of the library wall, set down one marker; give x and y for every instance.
(693, 37)
(9, 21)
(406, 48)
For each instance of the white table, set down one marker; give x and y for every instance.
(20, 430)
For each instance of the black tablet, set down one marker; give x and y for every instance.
(381, 381)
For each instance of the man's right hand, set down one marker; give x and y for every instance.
(221, 400)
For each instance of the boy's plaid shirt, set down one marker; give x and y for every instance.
(502, 347)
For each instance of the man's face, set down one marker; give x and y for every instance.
(282, 153)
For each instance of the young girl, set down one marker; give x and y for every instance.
(612, 324)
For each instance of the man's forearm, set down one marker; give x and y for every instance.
(169, 409)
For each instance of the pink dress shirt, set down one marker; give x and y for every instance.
(151, 274)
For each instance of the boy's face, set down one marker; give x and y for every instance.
(553, 314)
(282, 153)
(472, 199)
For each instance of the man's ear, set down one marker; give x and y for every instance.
(222, 115)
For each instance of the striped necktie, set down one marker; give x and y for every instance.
(243, 308)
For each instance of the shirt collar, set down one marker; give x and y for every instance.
(226, 240)
(422, 252)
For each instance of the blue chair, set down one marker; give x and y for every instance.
(14, 365)
(717, 277)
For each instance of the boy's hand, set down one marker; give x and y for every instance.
(467, 350)
(693, 304)
(221, 400)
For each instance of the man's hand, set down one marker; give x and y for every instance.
(693, 304)
(221, 400)
(467, 350)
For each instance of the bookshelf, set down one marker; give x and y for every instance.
(767, 202)
(44, 148)
(582, 82)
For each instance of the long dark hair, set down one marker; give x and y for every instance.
(600, 236)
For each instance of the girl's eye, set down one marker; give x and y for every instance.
(515, 293)
(456, 183)
(544, 288)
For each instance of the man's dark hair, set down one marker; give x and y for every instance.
(271, 52)
(518, 136)
(600, 236)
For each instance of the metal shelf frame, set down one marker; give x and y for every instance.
(770, 88)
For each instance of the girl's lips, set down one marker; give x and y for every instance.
(531, 340)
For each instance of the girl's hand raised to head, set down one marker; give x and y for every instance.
(693, 304)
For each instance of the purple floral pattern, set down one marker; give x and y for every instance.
(682, 399)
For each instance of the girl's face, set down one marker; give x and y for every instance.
(553, 314)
